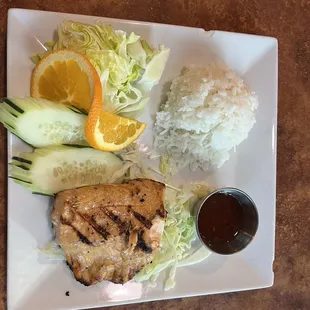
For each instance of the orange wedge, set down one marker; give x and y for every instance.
(68, 77)
(109, 132)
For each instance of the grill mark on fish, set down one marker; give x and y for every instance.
(91, 222)
(79, 234)
(99, 229)
(142, 219)
(83, 238)
(141, 243)
(122, 226)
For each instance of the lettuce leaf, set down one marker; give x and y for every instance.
(128, 67)
(52, 251)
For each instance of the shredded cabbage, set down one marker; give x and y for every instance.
(52, 251)
(197, 254)
(128, 67)
(167, 165)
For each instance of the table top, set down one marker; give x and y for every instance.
(289, 22)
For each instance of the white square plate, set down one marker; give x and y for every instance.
(36, 283)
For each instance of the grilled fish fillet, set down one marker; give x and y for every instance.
(109, 232)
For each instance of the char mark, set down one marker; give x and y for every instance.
(141, 243)
(99, 229)
(161, 212)
(79, 234)
(142, 219)
(83, 238)
(122, 226)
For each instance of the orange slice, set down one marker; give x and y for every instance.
(68, 77)
(109, 132)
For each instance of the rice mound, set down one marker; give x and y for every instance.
(208, 112)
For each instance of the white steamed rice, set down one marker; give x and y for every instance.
(208, 112)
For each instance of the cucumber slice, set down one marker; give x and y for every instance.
(41, 123)
(56, 168)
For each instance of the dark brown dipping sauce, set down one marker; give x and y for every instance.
(220, 219)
